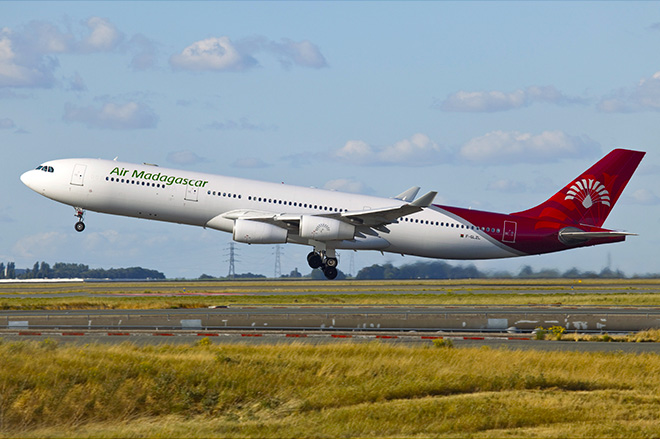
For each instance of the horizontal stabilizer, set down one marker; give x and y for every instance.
(591, 235)
(572, 235)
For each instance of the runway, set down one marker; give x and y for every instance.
(489, 319)
(492, 325)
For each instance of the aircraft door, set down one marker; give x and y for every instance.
(509, 231)
(78, 175)
(192, 193)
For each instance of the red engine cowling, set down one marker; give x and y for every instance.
(255, 232)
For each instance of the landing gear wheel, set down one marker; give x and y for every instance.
(331, 262)
(80, 214)
(314, 260)
(330, 272)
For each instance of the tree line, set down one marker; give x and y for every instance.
(443, 270)
(62, 270)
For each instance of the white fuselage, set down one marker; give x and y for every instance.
(179, 196)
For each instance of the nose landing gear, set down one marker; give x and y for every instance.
(80, 225)
(321, 260)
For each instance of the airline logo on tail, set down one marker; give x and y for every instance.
(588, 192)
(589, 198)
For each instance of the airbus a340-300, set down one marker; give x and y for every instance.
(256, 212)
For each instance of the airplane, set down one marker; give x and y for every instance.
(257, 212)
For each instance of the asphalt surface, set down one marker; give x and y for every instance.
(495, 326)
(395, 318)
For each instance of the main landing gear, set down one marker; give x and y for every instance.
(80, 225)
(328, 265)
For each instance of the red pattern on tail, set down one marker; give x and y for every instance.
(589, 198)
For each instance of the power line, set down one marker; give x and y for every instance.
(232, 259)
(278, 265)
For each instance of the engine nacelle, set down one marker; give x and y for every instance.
(325, 229)
(256, 232)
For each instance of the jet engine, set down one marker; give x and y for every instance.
(325, 229)
(256, 232)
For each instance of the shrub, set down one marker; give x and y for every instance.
(443, 343)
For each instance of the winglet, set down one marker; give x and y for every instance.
(424, 200)
(408, 195)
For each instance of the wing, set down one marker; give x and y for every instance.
(387, 215)
(365, 219)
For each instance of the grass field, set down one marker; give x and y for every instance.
(179, 294)
(345, 390)
(338, 390)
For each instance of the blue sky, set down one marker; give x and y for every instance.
(495, 105)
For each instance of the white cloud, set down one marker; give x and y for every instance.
(129, 116)
(29, 54)
(419, 150)
(211, 54)
(493, 101)
(644, 197)
(184, 158)
(303, 53)
(645, 96)
(348, 185)
(42, 245)
(103, 36)
(23, 69)
(221, 54)
(500, 147)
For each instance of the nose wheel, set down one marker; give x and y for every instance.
(327, 264)
(80, 225)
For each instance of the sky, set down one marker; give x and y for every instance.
(495, 105)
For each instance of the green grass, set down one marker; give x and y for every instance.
(177, 294)
(158, 302)
(338, 390)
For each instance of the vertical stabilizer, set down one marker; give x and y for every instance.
(589, 198)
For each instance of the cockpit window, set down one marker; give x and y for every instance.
(45, 168)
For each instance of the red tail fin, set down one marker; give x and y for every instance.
(590, 197)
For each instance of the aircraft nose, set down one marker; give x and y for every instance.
(28, 179)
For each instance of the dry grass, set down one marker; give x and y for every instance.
(193, 294)
(160, 302)
(344, 390)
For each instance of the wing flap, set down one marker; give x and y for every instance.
(387, 215)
